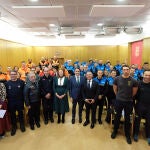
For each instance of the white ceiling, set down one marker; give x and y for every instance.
(76, 18)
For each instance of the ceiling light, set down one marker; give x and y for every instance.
(52, 25)
(45, 11)
(114, 10)
(99, 24)
(34, 0)
(121, 0)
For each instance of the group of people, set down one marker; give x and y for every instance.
(88, 83)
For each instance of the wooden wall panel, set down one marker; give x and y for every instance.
(146, 50)
(123, 54)
(83, 53)
(13, 53)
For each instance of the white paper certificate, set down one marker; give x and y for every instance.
(2, 113)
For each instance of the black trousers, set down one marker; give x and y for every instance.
(128, 107)
(91, 107)
(74, 104)
(100, 104)
(13, 108)
(47, 108)
(34, 113)
(109, 109)
(142, 110)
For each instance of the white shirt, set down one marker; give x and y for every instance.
(77, 78)
(90, 82)
(61, 81)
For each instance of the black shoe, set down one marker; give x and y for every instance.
(13, 131)
(135, 137)
(63, 120)
(80, 120)
(114, 134)
(73, 121)
(52, 120)
(32, 127)
(92, 125)
(22, 128)
(128, 139)
(108, 121)
(58, 121)
(86, 123)
(38, 124)
(100, 121)
(46, 122)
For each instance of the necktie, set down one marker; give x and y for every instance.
(88, 84)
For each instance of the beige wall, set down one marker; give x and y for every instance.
(146, 50)
(13, 53)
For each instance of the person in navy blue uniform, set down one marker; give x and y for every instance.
(94, 69)
(77, 62)
(65, 63)
(136, 71)
(46, 90)
(100, 65)
(75, 88)
(144, 67)
(82, 73)
(118, 67)
(107, 66)
(90, 92)
(90, 64)
(110, 95)
(32, 100)
(70, 68)
(102, 82)
(14, 90)
(133, 74)
(142, 108)
(86, 69)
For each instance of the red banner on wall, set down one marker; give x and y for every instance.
(136, 53)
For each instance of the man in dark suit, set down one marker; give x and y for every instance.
(76, 84)
(90, 92)
(46, 91)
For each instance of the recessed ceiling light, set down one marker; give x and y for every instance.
(34, 0)
(121, 0)
(52, 25)
(99, 24)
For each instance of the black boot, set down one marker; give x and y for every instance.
(22, 127)
(58, 118)
(13, 130)
(63, 118)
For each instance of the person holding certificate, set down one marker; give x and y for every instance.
(4, 119)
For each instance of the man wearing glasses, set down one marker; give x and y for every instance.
(14, 90)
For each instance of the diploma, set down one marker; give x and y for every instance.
(2, 113)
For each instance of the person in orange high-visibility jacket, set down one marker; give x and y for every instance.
(23, 71)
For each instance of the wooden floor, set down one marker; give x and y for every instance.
(70, 137)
